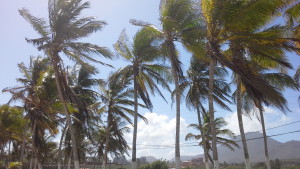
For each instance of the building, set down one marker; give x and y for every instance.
(198, 161)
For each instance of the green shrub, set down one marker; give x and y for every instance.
(2, 163)
(156, 165)
(14, 165)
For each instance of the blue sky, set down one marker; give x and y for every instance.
(117, 13)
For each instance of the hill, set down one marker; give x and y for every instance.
(277, 150)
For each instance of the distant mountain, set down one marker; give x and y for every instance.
(188, 158)
(150, 159)
(277, 150)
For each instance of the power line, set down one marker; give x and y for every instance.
(274, 127)
(194, 145)
(237, 141)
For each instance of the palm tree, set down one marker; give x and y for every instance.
(82, 82)
(267, 55)
(62, 33)
(196, 84)
(293, 23)
(207, 134)
(237, 20)
(11, 123)
(38, 95)
(280, 81)
(175, 17)
(297, 79)
(142, 69)
(117, 143)
(115, 96)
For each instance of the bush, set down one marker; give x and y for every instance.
(156, 165)
(2, 163)
(14, 165)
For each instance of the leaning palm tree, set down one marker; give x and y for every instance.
(115, 96)
(237, 20)
(38, 96)
(196, 87)
(82, 82)
(264, 54)
(280, 81)
(220, 130)
(175, 17)
(61, 34)
(143, 70)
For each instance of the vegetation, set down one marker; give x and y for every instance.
(92, 115)
(206, 139)
(156, 165)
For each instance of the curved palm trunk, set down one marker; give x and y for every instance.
(265, 138)
(240, 119)
(109, 118)
(60, 146)
(134, 162)
(61, 95)
(34, 148)
(172, 55)
(203, 139)
(212, 113)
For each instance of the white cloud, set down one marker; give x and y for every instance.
(157, 138)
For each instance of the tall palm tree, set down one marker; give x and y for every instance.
(175, 17)
(196, 84)
(82, 82)
(220, 130)
(115, 96)
(61, 34)
(232, 20)
(144, 72)
(38, 95)
(267, 55)
(280, 81)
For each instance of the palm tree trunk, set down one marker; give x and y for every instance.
(109, 118)
(9, 159)
(265, 138)
(60, 146)
(203, 138)
(177, 142)
(61, 95)
(210, 159)
(212, 113)
(173, 58)
(31, 161)
(22, 157)
(240, 119)
(69, 161)
(134, 162)
(34, 147)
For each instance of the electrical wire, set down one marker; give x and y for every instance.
(183, 144)
(195, 145)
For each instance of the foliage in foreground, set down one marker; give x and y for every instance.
(160, 164)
